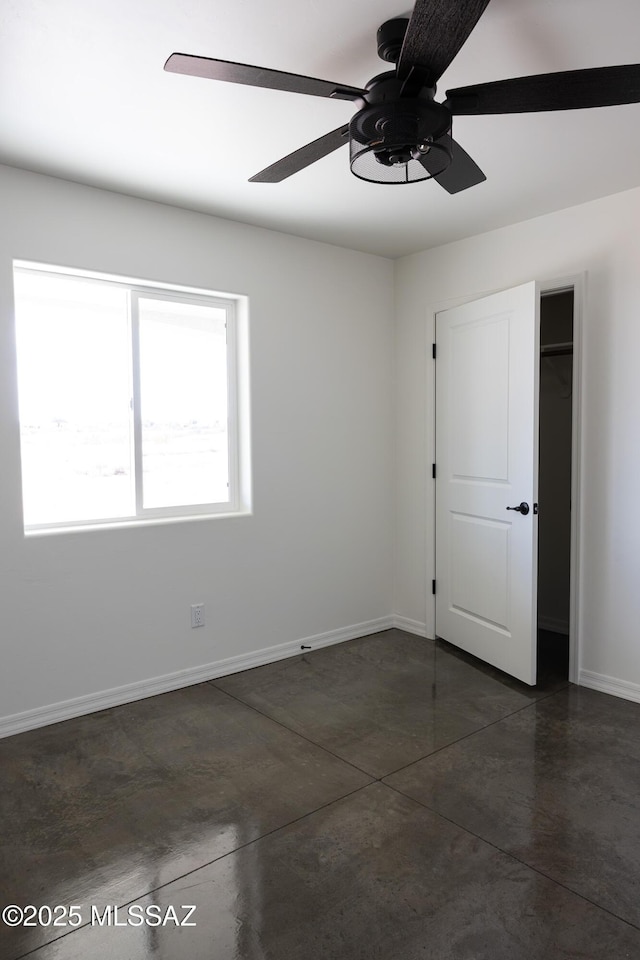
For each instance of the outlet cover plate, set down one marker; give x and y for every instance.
(197, 614)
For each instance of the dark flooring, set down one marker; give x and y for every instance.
(383, 798)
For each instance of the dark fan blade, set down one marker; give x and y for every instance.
(259, 77)
(303, 157)
(462, 172)
(569, 90)
(437, 30)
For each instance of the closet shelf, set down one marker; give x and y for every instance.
(556, 349)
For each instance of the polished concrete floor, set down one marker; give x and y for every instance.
(383, 798)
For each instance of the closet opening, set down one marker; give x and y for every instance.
(554, 483)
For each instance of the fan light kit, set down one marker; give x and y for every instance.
(400, 134)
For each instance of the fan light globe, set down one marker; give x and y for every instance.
(383, 163)
(395, 140)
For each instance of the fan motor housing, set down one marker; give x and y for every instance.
(388, 136)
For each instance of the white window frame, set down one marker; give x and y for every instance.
(235, 308)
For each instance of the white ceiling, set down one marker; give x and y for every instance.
(83, 96)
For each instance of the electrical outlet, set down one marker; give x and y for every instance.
(197, 614)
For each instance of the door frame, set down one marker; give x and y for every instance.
(577, 282)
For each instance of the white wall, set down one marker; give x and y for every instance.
(82, 613)
(603, 239)
(85, 612)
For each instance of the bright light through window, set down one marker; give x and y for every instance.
(128, 400)
(183, 402)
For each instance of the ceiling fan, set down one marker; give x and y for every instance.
(399, 133)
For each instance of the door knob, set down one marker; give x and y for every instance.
(522, 508)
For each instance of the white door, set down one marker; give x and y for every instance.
(487, 462)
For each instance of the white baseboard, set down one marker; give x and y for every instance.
(554, 625)
(617, 688)
(410, 626)
(104, 699)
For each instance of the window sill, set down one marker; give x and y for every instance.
(131, 524)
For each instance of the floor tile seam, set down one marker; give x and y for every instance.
(515, 858)
(202, 866)
(297, 733)
(337, 756)
(553, 693)
(391, 772)
(466, 736)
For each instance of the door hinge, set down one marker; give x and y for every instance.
(433, 586)
(433, 470)
(433, 350)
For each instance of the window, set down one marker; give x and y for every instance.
(129, 396)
